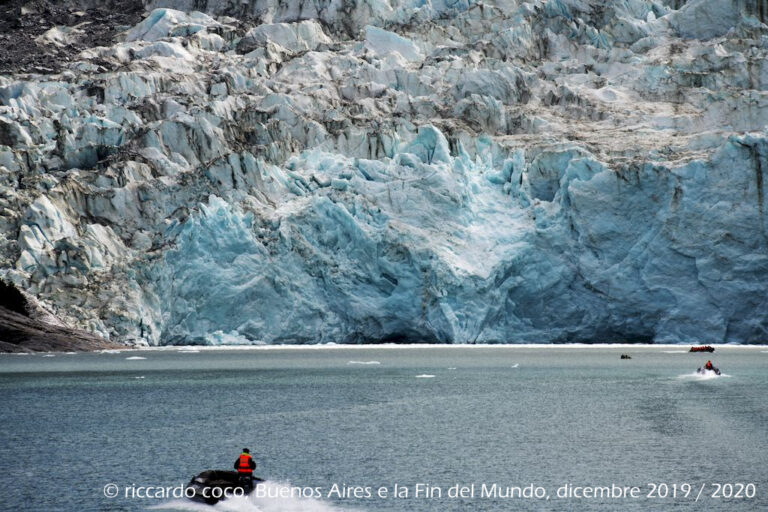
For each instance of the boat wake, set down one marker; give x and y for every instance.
(702, 376)
(270, 503)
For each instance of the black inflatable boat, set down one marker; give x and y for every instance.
(213, 486)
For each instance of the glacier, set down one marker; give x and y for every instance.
(397, 171)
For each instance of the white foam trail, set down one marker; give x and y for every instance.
(425, 376)
(253, 504)
(140, 377)
(702, 376)
(189, 351)
(676, 351)
(363, 362)
(452, 368)
(49, 355)
(134, 358)
(515, 365)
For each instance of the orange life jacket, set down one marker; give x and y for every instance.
(244, 467)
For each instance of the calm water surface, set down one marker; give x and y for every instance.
(513, 416)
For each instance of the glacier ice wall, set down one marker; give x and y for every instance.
(469, 171)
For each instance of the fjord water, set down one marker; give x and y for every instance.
(380, 416)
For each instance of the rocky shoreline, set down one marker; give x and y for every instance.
(22, 334)
(25, 328)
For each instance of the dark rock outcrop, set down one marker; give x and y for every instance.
(21, 330)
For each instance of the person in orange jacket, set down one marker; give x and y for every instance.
(708, 366)
(245, 466)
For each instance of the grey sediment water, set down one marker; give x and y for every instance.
(508, 415)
